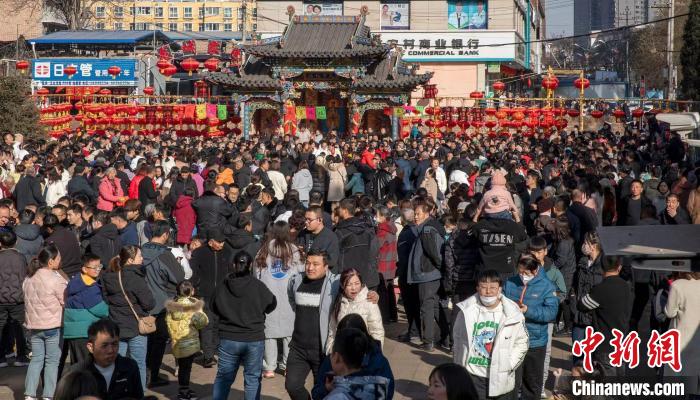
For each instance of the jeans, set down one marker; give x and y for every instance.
(300, 363)
(271, 354)
(547, 354)
(136, 348)
(578, 333)
(46, 352)
(231, 355)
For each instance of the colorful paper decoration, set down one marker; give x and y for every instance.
(221, 112)
(201, 111)
(399, 112)
(311, 113)
(301, 112)
(211, 111)
(320, 112)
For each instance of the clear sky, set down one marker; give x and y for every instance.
(560, 17)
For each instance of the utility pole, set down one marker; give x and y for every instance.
(244, 7)
(669, 52)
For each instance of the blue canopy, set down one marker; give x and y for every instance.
(98, 37)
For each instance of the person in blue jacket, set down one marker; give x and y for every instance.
(374, 363)
(536, 296)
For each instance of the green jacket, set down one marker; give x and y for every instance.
(77, 321)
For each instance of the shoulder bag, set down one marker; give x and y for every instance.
(147, 324)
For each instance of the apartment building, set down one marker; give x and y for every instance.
(468, 44)
(175, 15)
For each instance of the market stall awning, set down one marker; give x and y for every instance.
(99, 37)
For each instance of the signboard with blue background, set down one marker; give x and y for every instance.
(90, 72)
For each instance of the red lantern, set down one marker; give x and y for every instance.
(638, 113)
(114, 71)
(501, 114)
(476, 95)
(518, 115)
(582, 84)
(550, 82)
(499, 86)
(236, 57)
(70, 71)
(490, 111)
(561, 123)
(619, 114)
(190, 65)
(464, 124)
(573, 113)
(597, 114)
(169, 71)
(148, 90)
(22, 66)
(105, 92)
(490, 124)
(42, 92)
(162, 64)
(109, 111)
(212, 64)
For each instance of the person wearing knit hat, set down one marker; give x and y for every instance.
(497, 202)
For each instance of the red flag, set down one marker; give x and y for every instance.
(189, 47)
(214, 48)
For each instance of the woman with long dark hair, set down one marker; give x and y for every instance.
(43, 290)
(352, 299)
(275, 264)
(123, 287)
(450, 382)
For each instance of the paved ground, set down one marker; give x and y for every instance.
(410, 365)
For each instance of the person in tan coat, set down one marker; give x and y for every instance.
(352, 299)
(681, 309)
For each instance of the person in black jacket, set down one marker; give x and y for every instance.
(147, 191)
(242, 239)
(103, 344)
(104, 241)
(125, 277)
(67, 245)
(212, 209)
(78, 184)
(674, 214)
(630, 207)
(183, 181)
(12, 273)
(28, 190)
(241, 303)
(461, 258)
(210, 264)
(358, 244)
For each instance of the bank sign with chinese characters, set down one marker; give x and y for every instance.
(90, 72)
(455, 46)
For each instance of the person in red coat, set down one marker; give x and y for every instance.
(388, 256)
(185, 217)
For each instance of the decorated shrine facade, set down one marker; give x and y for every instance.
(326, 73)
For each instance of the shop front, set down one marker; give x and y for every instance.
(85, 76)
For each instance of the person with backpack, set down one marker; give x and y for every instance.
(359, 247)
(424, 266)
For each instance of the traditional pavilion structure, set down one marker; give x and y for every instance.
(325, 72)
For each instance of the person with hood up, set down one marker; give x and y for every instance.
(337, 179)
(497, 201)
(347, 357)
(241, 303)
(358, 244)
(242, 239)
(185, 217)
(104, 241)
(386, 264)
(302, 182)
(29, 239)
(210, 265)
(490, 338)
(163, 274)
(536, 296)
(185, 319)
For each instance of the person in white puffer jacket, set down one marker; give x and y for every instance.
(490, 338)
(352, 299)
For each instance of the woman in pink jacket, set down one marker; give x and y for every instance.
(43, 290)
(111, 194)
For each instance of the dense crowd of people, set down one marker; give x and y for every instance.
(284, 255)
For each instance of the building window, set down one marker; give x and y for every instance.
(159, 12)
(188, 12)
(118, 12)
(172, 26)
(240, 13)
(211, 11)
(99, 12)
(208, 27)
(100, 26)
(141, 26)
(159, 26)
(255, 27)
(240, 27)
(118, 26)
(228, 27)
(201, 12)
(188, 27)
(172, 12)
(228, 12)
(255, 12)
(143, 10)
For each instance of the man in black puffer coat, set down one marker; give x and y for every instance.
(212, 208)
(104, 241)
(12, 273)
(359, 247)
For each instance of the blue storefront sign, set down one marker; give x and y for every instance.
(90, 72)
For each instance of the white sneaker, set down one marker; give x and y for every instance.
(11, 355)
(3, 364)
(30, 398)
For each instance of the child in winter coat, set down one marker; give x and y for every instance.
(185, 319)
(497, 201)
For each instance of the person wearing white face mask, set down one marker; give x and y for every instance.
(536, 296)
(490, 338)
